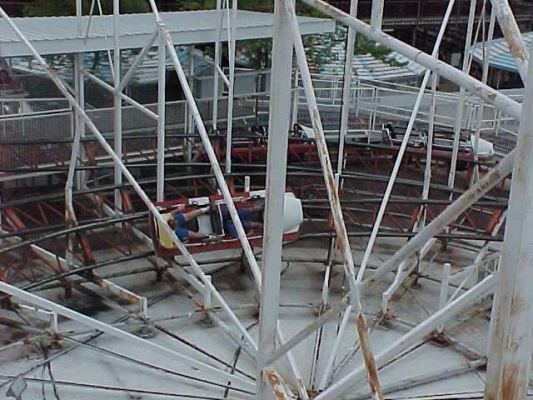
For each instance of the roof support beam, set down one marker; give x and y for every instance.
(278, 124)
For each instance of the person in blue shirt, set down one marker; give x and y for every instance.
(249, 216)
(179, 220)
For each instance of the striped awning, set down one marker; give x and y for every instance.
(499, 55)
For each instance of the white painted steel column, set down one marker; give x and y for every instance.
(511, 323)
(460, 105)
(444, 288)
(232, 32)
(336, 344)
(346, 87)
(217, 65)
(79, 89)
(117, 102)
(295, 97)
(484, 77)
(512, 35)
(278, 131)
(492, 96)
(403, 147)
(376, 16)
(190, 122)
(429, 149)
(161, 120)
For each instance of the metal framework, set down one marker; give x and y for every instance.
(386, 194)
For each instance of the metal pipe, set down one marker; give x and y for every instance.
(138, 59)
(460, 105)
(161, 120)
(429, 149)
(492, 96)
(117, 102)
(331, 359)
(347, 87)
(484, 77)
(123, 96)
(232, 22)
(217, 65)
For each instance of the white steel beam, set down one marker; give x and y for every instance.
(218, 56)
(79, 88)
(278, 134)
(149, 113)
(117, 103)
(138, 59)
(510, 337)
(161, 120)
(232, 25)
(484, 76)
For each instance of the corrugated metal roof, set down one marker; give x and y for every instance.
(61, 35)
(365, 66)
(145, 72)
(500, 56)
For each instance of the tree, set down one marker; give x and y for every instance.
(48, 8)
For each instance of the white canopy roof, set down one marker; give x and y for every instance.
(62, 35)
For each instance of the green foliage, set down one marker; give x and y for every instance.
(47, 8)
